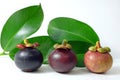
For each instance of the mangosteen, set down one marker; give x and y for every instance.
(62, 59)
(28, 58)
(98, 59)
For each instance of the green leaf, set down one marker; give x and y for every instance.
(12, 53)
(80, 60)
(80, 48)
(46, 46)
(72, 30)
(20, 25)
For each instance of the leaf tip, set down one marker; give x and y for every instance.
(40, 4)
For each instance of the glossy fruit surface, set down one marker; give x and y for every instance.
(28, 59)
(62, 60)
(98, 60)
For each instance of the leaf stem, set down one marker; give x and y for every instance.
(3, 53)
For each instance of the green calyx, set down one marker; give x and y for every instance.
(98, 48)
(92, 48)
(64, 45)
(107, 49)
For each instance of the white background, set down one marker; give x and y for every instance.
(102, 15)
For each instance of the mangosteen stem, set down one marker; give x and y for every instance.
(98, 45)
(64, 42)
(27, 44)
(25, 41)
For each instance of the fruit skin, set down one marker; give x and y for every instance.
(62, 60)
(28, 59)
(98, 62)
